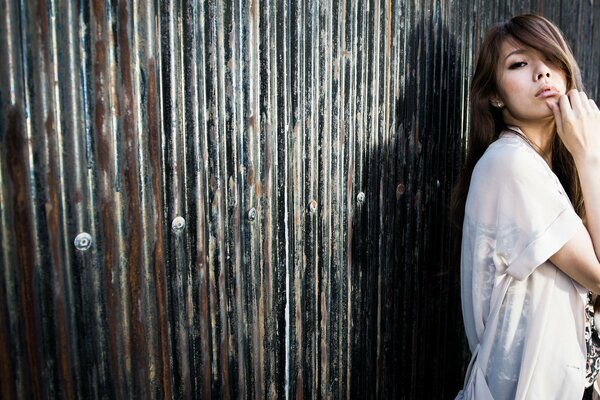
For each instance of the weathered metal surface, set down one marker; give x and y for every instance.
(265, 187)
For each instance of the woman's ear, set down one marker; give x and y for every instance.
(496, 101)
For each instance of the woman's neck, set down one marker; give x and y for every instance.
(540, 135)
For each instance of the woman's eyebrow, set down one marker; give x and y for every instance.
(517, 51)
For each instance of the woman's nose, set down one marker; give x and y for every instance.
(542, 71)
(541, 75)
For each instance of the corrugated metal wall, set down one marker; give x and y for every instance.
(241, 199)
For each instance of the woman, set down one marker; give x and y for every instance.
(528, 261)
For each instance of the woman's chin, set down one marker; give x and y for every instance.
(551, 101)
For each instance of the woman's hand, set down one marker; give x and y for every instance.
(578, 124)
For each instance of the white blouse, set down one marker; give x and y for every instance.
(524, 318)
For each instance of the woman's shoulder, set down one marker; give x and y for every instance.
(510, 155)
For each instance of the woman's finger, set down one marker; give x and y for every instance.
(585, 103)
(566, 110)
(557, 116)
(593, 105)
(575, 99)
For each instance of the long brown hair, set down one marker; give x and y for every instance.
(538, 33)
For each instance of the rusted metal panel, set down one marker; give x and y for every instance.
(263, 189)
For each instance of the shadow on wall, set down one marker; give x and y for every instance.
(411, 344)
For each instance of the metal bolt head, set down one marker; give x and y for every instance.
(312, 206)
(83, 241)
(252, 214)
(178, 224)
(400, 189)
(361, 197)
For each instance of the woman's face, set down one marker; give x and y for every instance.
(527, 81)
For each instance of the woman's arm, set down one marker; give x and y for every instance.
(578, 124)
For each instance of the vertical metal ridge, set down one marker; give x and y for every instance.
(131, 276)
(163, 372)
(270, 144)
(230, 141)
(392, 138)
(191, 122)
(21, 145)
(238, 191)
(287, 174)
(201, 150)
(10, 42)
(142, 48)
(363, 230)
(64, 190)
(173, 82)
(158, 159)
(212, 127)
(236, 197)
(11, 110)
(407, 39)
(441, 123)
(374, 154)
(85, 189)
(120, 277)
(345, 213)
(186, 265)
(388, 181)
(174, 95)
(215, 242)
(98, 54)
(222, 200)
(324, 188)
(256, 185)
(350, 58)
(337, 212)
(233, 140)
(88, 186)
(314, 196)
(295, 366)
(7, 308)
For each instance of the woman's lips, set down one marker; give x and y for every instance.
(547, 91)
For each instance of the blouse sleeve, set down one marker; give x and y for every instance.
(534, 216)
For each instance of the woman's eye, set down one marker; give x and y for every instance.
(518, 64)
